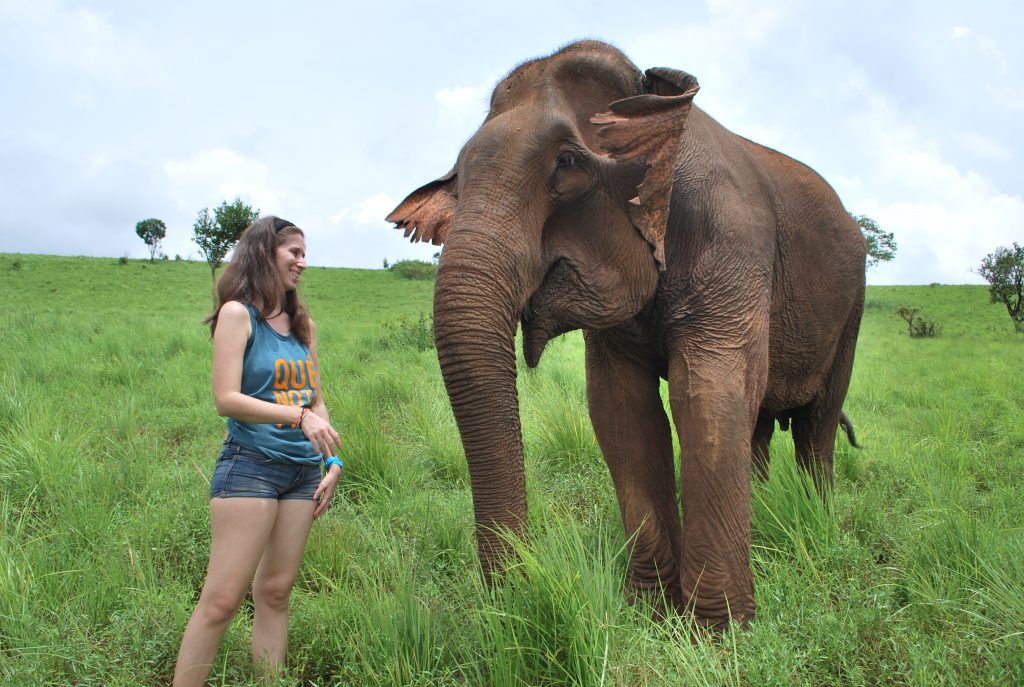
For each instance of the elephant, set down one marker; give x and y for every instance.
(598, 197)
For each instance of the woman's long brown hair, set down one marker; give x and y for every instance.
(252, 275)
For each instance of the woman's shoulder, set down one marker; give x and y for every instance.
(234, 315)
(235, 310)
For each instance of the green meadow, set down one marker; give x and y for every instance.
(914, 575)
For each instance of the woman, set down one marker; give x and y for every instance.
(267, 488)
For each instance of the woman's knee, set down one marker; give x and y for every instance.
(272, 592)
(219, 607)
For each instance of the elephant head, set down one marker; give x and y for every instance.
(554, 217)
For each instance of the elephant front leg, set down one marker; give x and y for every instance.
(714, 407)
(760, 443)
(635, 437)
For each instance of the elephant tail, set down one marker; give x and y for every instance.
(847, 425)
(844, 422)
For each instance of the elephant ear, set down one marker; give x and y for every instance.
(427, 212)
(649, 127)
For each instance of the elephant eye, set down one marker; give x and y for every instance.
(567, 160)
(570, 177)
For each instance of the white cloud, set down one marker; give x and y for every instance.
(211, 176)
(460, 109)
(361, 237)
(944, 220)
(463, 97)
(983, 146)
(944, 216)
(373, 210)
(77, 39)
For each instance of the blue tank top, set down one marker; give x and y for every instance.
(277, 369)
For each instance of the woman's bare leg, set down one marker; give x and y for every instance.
(272, 587)
(241, 528)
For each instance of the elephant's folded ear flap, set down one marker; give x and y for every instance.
(649, 128)
(669, 82)
(427, 212)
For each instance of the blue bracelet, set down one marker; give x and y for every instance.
(333, 460)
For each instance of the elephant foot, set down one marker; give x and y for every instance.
(712, 626)
(717, 620)
(715, 606)
(662, 599)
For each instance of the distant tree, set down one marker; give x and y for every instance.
(386, 265)
(218, 233)
(152, 231)
(414, 269)
(881, 244)
(1003, 269)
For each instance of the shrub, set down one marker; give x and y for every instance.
(414, 269)
(917, 326)
(408, 333)
(16, 265)
(123, 260)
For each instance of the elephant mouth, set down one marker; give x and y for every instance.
(545, 316)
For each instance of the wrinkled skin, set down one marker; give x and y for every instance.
(597, 197)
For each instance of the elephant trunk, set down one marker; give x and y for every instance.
(477, 302)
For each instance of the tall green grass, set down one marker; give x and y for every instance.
(909, 575)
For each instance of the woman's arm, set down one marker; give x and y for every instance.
(229, 341)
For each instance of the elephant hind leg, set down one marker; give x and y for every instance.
(815, 425)
(814, 434)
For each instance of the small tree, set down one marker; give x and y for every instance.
(234, 218)
(1003, 269)
(152, 231)
(881, 244)
(211, 244)
(917, 326)
(218, 233)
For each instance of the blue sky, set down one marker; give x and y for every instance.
(329, 113)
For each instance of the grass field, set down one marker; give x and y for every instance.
(108, 436)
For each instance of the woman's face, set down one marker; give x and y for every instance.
(291, 260)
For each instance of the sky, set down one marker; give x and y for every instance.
(330, 113)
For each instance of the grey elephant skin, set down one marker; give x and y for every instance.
(598, 197)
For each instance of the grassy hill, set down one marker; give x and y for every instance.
(108, 436)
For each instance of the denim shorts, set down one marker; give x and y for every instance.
(242, 472)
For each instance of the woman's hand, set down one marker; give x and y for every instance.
(325, 440)
(324, 492)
